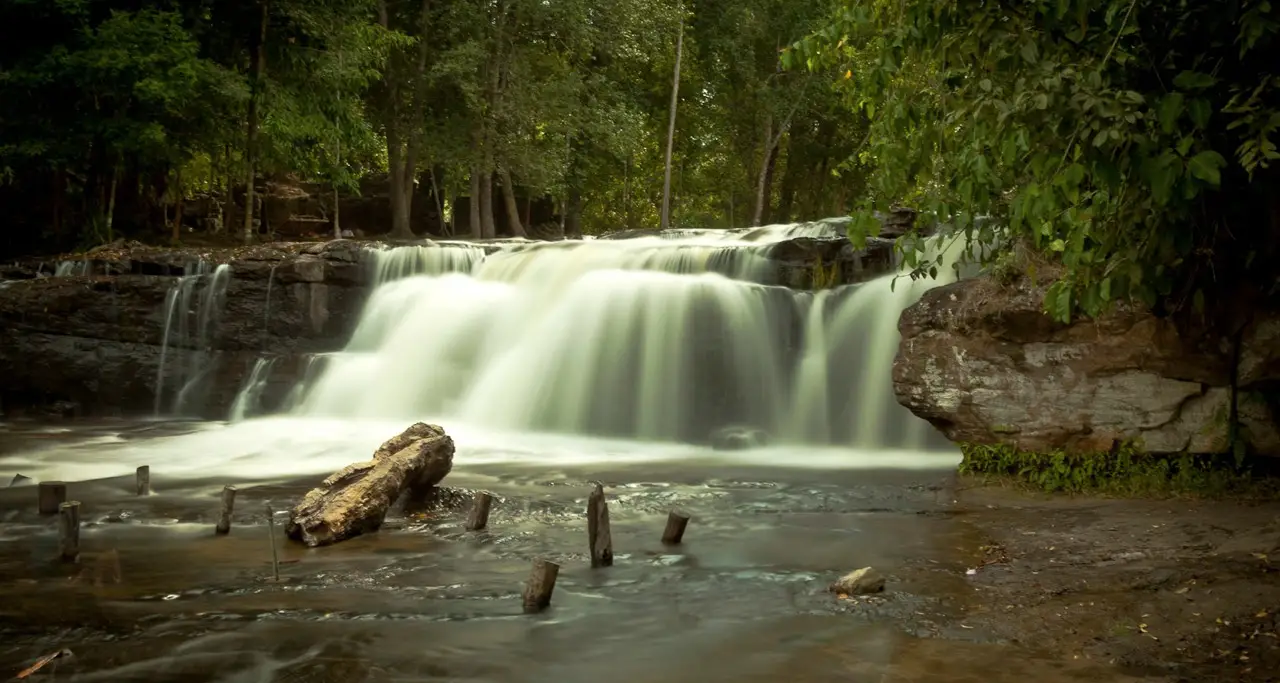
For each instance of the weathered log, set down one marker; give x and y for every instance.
(144, 480)
(674, 532)
(51, 495)
(542, 582)
(69, 531)
(224, 516)
(598, 534)
(479, 517)
(355, 499)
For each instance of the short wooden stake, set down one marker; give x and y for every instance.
(674, 532)
(52, 494)
(542, 581)
(479, 517)
(271, 531)
(144, 480)
(598, 528)
(69, 530)
(228, 503)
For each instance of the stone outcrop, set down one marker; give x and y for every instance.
(96, 341)
(986, 365)
(355, 500)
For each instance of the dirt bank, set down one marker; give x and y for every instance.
(1179, 590)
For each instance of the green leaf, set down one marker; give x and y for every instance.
(1193, 80)
(1105, 289)
(1207, 166)
(1168, 111)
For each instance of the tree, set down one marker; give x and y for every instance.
(1129, 141)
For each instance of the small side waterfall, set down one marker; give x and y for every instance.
(249, 398)
(193, 307)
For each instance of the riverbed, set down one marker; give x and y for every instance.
(983, 584)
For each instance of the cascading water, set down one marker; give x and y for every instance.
(193, 307)
(250, 395)
(655, 338)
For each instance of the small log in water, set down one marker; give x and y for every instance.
(479, 517)
(271, 531)
(674, 532)
(224, 517)
(598, 533)
(52, 494)
(542, 582)
(69, 530)
(144, 480)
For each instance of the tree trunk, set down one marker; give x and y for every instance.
(488, 229)
(111, 202)
(573, 214)
(476, 229)
(337, 214)
(513, 209)
(787, 193)
(395, 191)
(177, 207)
(435, 194)
(762, 176)
(226, 210)
(251, 138)
(671, 126)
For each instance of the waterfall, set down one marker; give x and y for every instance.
(664, 338)
(248, 399)
(69, 268)
(195, 298)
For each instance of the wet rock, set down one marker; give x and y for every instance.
(20, 480)
(859, 582)
(984, 364)
(738, 438)
(355, 499)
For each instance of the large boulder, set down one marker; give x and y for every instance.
(984, 364)
(355, 499)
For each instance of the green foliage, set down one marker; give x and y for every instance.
(1131, 141)
(1125, 470)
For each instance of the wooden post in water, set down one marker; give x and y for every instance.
(598, 533)
(224, 517)
(69, 531)
(144, 480)
(271, 531)
(542, 581)
(479, 517)
(674, 532)
(52, 494)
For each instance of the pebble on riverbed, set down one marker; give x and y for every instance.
(859, 582)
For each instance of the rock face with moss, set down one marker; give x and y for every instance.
(985, 365)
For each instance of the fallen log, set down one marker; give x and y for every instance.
(355, 499)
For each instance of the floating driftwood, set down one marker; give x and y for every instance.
(355, 499)
(598, 534)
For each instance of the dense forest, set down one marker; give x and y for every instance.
(1128, 144)
(116, 112)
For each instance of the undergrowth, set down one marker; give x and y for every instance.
(1124, 471)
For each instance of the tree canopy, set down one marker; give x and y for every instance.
(1133, 142)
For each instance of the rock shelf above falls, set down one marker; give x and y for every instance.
(92, 339)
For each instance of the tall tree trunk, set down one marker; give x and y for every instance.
(226, 210)
(111, 202)
(337, 214)
(488, 229)
(435, 194)
(251, 138)
(765, 179)
(395, 187)
(476, 229)
(177, 206)
(671, 126)
(573, 214)
(787, 193)
(513, 209)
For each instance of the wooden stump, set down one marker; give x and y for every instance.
(52, 494)
(144, 480)
(479, 517)
(271, 534)
(598, 534)
(228, 504)
(542, 581)
(69, 530)
(674, 532)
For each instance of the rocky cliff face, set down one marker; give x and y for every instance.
(985, 365)
(94, 343)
